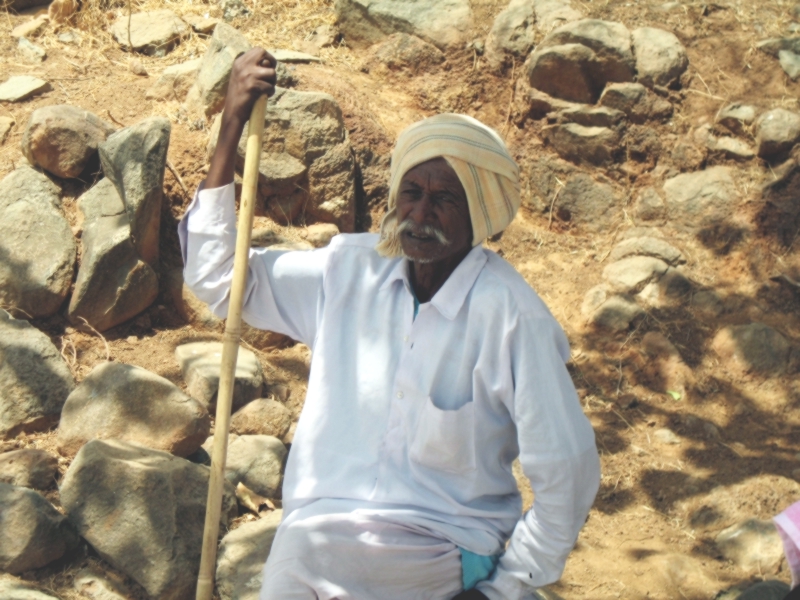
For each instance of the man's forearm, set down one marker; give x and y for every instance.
(223, 161)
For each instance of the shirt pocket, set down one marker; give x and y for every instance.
(444, 439)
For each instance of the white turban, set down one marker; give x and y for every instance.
(488, 173)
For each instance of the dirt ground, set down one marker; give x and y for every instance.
(649, 534)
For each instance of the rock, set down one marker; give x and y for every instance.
(774, 46)
(12, 588)
(30, 28)
(242, 554)
(777, 131)
(293, 56)
(201, 362)
(644, 144)
(753, 545)
(233, 9)
(323, 36)
(124, 402)
(403, 51)
(261, 417)
(554, 13)
(63, 139)
(687, 156)
(592, 116)
(586, 202)
(97, 585)
(154, 33)
(34, 380)
(754, 347)
(32, 532)
(781, 209)
(634, 100)
(30, 52)
(60, 11)
(666, 436)
(695, 199)
(37, 248)
(203, 25)
(256, 461)
(790, 63)
(22, 87)
(113, 283)
(579, 144)
(207, 95)
(134, 159)
(669, 290)
(660, 57)
(142, 510)
(650, 206)
(28, 468)
(175, 81)
(708, 303)
(532, 103)
(617, 313)
(737, 117)
(593, 299)
(567, 72)
(136, 67)
(365, 22)
(6, 123)
(647, 246)
(765, 590)
(730, 147)
(320, 234)
(630, 275)
(512, 34)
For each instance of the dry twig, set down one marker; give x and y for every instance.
(100, 335)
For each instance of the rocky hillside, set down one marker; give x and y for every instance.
(658, 143)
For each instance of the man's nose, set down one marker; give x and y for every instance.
(422, 209)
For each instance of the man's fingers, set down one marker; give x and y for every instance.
(268, 60)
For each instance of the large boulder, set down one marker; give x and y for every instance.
(753, 347)
(143, 511)
(28, 467)
(614, 312)
(512, 34)
(660, 57)
(37, 248)
(777, 131)
(701, 198)
(134, 160)
(255, 461)
(403, 51)
(586, 202)
(567, 71)
(554, 13)
(124, 402)
(580, 144)
(155, 33)
(114, 284)
(753, 545)
(629, 275)
(636, 102)
(32, 532)
(34, 379)
(365, 22)
(63, 139)
(647, 246)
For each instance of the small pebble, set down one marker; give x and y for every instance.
(132, 339)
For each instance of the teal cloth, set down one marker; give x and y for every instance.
(416, 308)
(476, 568)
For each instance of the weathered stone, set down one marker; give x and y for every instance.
(695, 199)
(124, 402)
(260, 417)
(256, 461)
(592, 116)
(554, 13)
(28, 468)
(6, 124)
(631, 274)
(30, 52)
(142, 510)
(535, 104)
(670, 289)
(592, 145)
(593, 299)
(765, 590)
(37, 248)
(175, 81)
(586, 202)
(293, 56)
(365, 22)
(660, 57)
(63, 139)
(12, 588)
(34, 380)
(207, 95)
(134, 159)
(754, 347)
(154, 33)
(200, 24)
(567, 71)
(650, 206)
(512, 34)
(403, 51)
(617, 313)
(774, 46)
(242, 554)
(666, 436)
(22, 87)
(323, 36)
(790, 63)
(60, 11)
(320, 235)
(777, 131)
(30, 28)
(647, 246)
(32, 532)
(643, 144)
(201, 363)
(781, 213)
(730, 147)
(753, 545)
(688, 156)
(708, 303)
(737, 117)
(633, 99)
(113, 283)
(98, 585)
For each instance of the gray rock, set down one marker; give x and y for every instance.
(554, 13)
(32, 532)
(592, 116)
(586, 202)
(34, 380)
(200, 24)
(30, 52)
(63, 139)
(201, 363)
(175, 81)
(233, 9)
(643, 144)
(765, 590)
(669, 290)
(154, 33)
(259, 417)
(730, 147)
(631, 274)
(584, 145)
(242, 554)
(22, 87)
(512, 34)
(567, 71)
(708, 303)
(790, 63)
(142, 510)
(97, 585)
(124, 402)
(365, 22)
(634, 100)
(293, 56)
(777, 131)
(617, 313)
(650, 206)
(28, 468)
(12, 588)
(134, 159)
(688, 156)
(660, 57)
(695, 199)
(753, 545)
(737, 117)
(403, 51)
(773, 46)
(666, 436)
(256, 461)
(207, 95)
(647, 246)
(37, 248)
(113, 283)
(753, 347)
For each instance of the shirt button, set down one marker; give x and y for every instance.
(399, 394)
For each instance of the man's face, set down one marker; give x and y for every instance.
(432, 213)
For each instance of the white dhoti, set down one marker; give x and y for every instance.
(353, 556)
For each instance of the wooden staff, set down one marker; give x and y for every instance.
(230, 350)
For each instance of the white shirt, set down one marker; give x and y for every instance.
(418, 419)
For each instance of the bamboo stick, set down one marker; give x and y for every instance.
(230, 350)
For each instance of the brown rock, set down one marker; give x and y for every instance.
(567, 72)
(262, 417)
(754, 347)
(28, 468)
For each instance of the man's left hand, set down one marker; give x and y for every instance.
(470, 595)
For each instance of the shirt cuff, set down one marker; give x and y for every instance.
(504, 586)
(209, 208)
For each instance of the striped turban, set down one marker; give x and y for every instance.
(488, 173)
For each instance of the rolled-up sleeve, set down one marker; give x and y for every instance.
(558, 455)
(285, 289)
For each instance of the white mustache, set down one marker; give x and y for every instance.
(423, 230)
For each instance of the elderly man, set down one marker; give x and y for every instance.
(434, 366)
